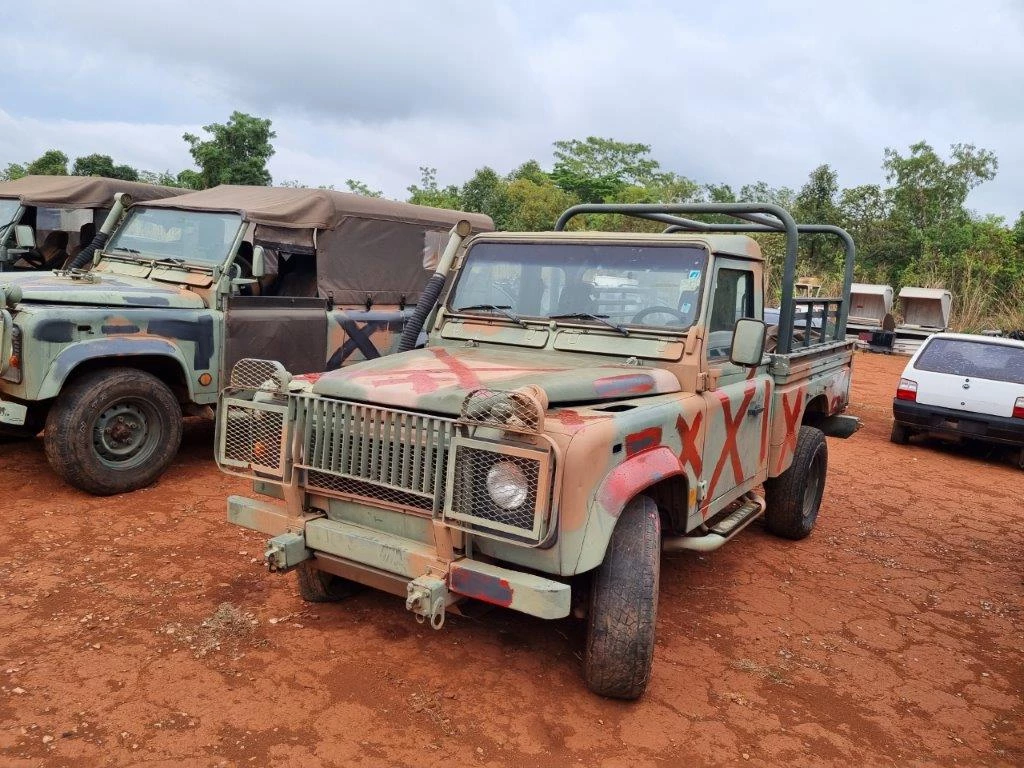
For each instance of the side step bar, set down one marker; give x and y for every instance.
(724, 529)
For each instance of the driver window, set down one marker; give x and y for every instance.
(733, 299)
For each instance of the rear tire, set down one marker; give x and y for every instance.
(316, 586)
(113, 431)
(794, 497)
(624, 605)
(1020, 459)
(900, 434)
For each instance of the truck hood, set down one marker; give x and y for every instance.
(102, 289)
(438, 379)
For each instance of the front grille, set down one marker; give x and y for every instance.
(470, 501)
(251, 436)
(394, 457)
(347, 486)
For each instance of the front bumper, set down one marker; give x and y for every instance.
(954, 423)
(377, 558)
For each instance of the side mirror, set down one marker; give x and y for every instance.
(748, 336)
(259, 266)
(24, 237)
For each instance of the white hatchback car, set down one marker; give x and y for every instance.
(963, 386)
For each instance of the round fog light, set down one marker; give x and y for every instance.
(507, 485)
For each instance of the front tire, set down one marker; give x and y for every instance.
(316, 586)
(113, 431)
(794, 497)
(624, 605)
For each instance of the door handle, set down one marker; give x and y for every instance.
(755, 410)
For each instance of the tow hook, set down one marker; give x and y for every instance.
(426, 597)
(285, 551)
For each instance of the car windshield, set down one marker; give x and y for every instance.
(165, 233)
(8, 208)
(977, 359)
(623, 283)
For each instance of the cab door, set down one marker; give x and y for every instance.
(289, 329)
(736, 445)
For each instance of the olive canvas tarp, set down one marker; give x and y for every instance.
(367, 249)
(80, 191)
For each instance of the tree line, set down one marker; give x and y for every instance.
(913, 229)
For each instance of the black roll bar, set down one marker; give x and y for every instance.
(756, 219)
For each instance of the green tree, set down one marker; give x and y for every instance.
(236, 153)
(103, 165)
(487, 192)
(930, 191)
(52, 162)
(535, 207)
(12, 172)
(360, 188)
(427, 192)
(596, 169)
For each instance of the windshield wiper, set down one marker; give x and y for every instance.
(603, 319)
(173, 260)
(122, 249)
(500, 308)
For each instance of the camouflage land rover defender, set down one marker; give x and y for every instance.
(109, 359)
(586, 401)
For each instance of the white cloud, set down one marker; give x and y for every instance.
(736, 92)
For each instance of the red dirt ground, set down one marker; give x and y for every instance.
(141, 629)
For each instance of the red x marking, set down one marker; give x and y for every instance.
(730, 450)
(452, 372)
(792, 416)
(764, 424)
(688, 434)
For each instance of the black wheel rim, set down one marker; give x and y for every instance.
(815, 485)
(126, 433)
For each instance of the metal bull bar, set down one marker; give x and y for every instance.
(756, 217)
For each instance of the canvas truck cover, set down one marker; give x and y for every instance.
(363, 244)
(80, 191)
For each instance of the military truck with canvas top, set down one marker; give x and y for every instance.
(586, 402)
(47, 220)
(109, 359)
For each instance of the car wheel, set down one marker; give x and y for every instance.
(113, 431)
(624, 605)
(794, 497)
(316, 586)
(900, 434)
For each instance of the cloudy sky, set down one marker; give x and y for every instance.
(723, 92)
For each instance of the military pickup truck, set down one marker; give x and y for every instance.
(45, 220)
(586, 402)
(180, 289)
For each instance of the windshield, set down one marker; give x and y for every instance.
(8, 208)
(978, 359)
(626, 284)
(158, 233)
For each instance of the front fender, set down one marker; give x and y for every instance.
(619, 487)
(113, 349)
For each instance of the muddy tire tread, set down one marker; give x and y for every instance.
(624, 605)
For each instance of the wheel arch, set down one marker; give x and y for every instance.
(656, 473)
(815, 411)
(157, 357)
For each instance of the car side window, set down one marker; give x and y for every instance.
(733, 298)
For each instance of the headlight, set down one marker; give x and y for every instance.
(507, 485)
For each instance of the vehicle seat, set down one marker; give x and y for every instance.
(576, 297)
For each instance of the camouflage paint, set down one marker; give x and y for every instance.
(625, 415)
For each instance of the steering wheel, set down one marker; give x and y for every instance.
(643, 313)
